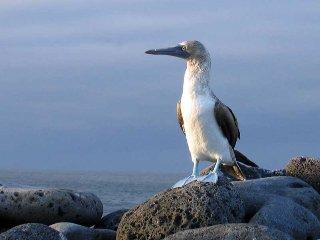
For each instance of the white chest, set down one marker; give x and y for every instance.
(196, 109)
(203, 134)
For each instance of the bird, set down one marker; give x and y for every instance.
(210, 127)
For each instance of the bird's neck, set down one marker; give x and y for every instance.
(197, 77)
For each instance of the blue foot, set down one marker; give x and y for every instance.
(211, 177)
(184, 181)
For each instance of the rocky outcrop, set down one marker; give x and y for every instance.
(267, 206)
(287, 207)
(231, 231)
(284, 203)
(305, 168)
(77, 232)
(287, 216)
(111, 220)
(256, 193)
(193, 206)
(47, 206)
(32, 231)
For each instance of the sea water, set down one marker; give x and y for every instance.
(116, 190)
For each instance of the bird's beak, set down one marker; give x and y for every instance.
(173, 51)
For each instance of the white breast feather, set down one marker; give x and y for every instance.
(204, 137)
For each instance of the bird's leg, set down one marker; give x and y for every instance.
(216, 167)
(189, 179)
(195, 170)
(213, 175)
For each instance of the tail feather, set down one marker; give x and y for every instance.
(234, 171)
(243, 159)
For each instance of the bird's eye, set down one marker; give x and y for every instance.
(183, 48)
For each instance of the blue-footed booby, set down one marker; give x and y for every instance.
(210, 127)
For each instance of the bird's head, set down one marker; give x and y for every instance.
(186, 50)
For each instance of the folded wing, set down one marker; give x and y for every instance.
(227, 122)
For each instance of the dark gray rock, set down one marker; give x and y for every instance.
(111, 220)
(23, 205)
(287, 216)
(32, 231)
(238, 231)
(305, 168)
(192, 206)
(77, 232)
(5, 227)
(256, 193)
(256, 172)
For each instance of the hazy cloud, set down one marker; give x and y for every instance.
(78, 92)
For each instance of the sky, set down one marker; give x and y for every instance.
(77, 91)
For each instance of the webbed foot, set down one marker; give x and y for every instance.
(184, 181)
(211, 177)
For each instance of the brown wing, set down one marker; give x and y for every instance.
(179, 116)
(227, 122)
(243, 159)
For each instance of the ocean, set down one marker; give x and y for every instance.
(116, 190)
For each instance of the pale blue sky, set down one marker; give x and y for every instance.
(78, 92)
